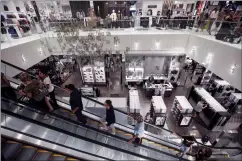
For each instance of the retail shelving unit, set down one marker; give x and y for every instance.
(215, 116)
(159, 109)
(182, 111)
(133, 105)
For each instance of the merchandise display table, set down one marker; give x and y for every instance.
(134, 103)
(158, 104)
(209, 99)
(168, 88)
(159, 109)
(215, 116)
(182, 111)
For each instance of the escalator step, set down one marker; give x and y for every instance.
(58, 157)
(26, 153)
(42, 155)
(10, 149)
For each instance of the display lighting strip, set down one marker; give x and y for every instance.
(208, 60)
(23, 58)
(233, 67)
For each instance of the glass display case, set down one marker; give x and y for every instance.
(134, 69)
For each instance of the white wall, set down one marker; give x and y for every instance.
(30, 51)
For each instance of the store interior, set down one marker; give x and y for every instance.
(166, 89)
(25, 18)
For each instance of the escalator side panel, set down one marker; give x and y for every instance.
(26, 154)
(58, 157)
(42, 155)
(10, 149)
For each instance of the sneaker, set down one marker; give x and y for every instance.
(113, 133)
(46, 117)
(103, 128)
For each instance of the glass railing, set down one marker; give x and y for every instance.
(227, 31)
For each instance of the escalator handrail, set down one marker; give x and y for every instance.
(52, 142)
(238, 148)
(84, 138)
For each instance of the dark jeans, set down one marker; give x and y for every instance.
(52, 97)
(80, 117)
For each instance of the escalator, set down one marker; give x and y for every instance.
(89, 134)
(156, 140)
(16, 150)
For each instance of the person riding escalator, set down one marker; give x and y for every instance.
(76, 102)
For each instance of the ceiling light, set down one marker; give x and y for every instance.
(23, 58)
(233, 67)
(157, 44)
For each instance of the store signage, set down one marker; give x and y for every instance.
(152, 6)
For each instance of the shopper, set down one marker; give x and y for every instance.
(6, 89)
(186, 146)
(199, 107)
(47, 82)
(109, 118)
(201, 21)
(76, 102)
(139, 130)
(37, 95)
(213, 17)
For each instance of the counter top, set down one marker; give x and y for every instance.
(184, 103)
(159, 104)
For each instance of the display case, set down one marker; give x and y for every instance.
(134, 69)
(134, 74)
(214, 116)
(159, 110)
(99, 74)
(133, 105)
(235, 100)
(87, 74)
(182, 111)
(223, 89)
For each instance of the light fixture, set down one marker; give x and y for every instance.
(208, 60)
(40, 50)
(233, 67)
(157, 44)
(193, 49)
(136, 45)
(23, 58)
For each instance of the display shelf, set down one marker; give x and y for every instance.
(223, 89)
(159, 109)
(210, 100)
(87, 72)
(100, 74)
(134, 74)
(182, 111)
(158, 104)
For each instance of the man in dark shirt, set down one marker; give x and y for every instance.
(76, 102)
(109, 118)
